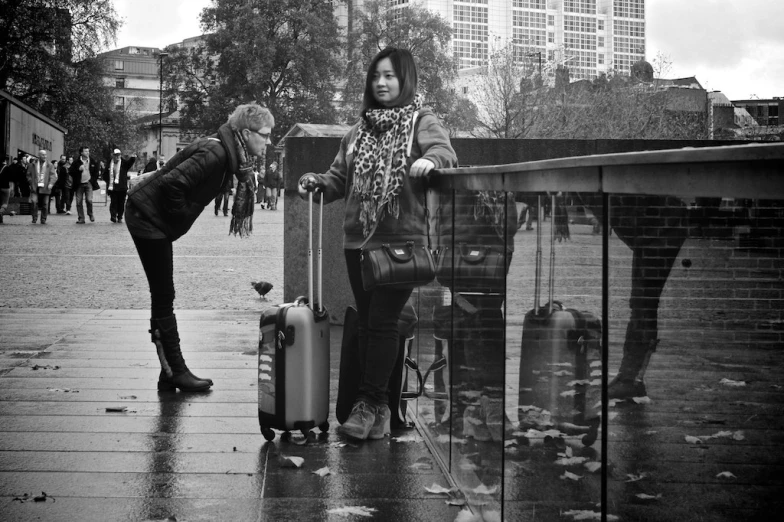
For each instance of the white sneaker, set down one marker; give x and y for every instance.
(67, 212)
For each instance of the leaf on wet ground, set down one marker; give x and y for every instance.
(636, 478)
(116, 409)
(27, 497)
(288, 461)
(345, 511)
(568, 393)
(570, 476)
(422, 463)
(44, 367)
(484, 490)
(322, 472)
(583, 514)
(579, 382)
(734, 435)
(730, 382)
(642, 400)
(562, 373)
(726, 475)
(648, 498)
(63, 390)
(593, 466)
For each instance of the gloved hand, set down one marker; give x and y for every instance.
(309, 183)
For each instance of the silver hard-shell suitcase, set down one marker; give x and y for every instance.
(293, 365)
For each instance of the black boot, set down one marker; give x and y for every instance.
(174, 373)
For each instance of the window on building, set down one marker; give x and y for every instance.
(465, 90)
(600, 25)
(550, 37)
(551, 20)
(133, 50)
(119, 83)
(119, 65)
(600, 57)
(600, 41)
(119, 102)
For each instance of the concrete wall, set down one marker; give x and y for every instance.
(316, 154)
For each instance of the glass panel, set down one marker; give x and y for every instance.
(552, 462)
(696, 337)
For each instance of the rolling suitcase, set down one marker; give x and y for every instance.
(557, 348)
(293, 365)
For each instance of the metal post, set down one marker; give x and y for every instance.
(161, 56)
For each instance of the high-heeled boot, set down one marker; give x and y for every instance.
(174, 373)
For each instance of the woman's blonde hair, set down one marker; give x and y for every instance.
(251, 116)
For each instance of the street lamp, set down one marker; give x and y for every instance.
(161, 56)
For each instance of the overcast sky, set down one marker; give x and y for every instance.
(734, 46)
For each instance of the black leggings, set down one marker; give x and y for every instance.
(158, 261)
(379, 312)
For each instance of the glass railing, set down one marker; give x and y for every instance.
(615, 350)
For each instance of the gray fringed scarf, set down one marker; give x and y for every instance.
(242, 210)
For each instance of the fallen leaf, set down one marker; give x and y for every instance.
(361, 511)
(642, 400)
(565, 364)
(592, 466)
(645, 496)
(456, 502)
(726, 474)
(562, 373)
(322, 472)
(438, 490)
(116, 409)
(730, 382)
(484, 490)
(421, 465)
(291, 462)
(568, 393)
(570, 461)
(570, 476)
(693, 440)
(635, 478)
(579, 382)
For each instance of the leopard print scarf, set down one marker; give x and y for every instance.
(381, 160)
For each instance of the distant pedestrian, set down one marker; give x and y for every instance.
(41, 176)
(223, 196)
(6, 183)
(272, 183)
(162, 207)
(152, 164)
(84, 172)
(116, 178)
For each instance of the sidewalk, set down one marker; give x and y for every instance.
(64, 372)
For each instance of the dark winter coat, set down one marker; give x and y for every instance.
(76, 174)
(167, 202)
(121, 185)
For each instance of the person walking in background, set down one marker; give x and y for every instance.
(116, 178)
(152, 164)
(41, 178)
(55, 190)
(83, 172)
(223, 196)
(261, 196)
(6, 185)
(61, 199)
(378, 171)
(162, 207)
(272, 182)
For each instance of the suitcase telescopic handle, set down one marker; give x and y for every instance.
(310, 251)
(538, 268)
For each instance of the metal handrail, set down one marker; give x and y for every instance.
(741, 171)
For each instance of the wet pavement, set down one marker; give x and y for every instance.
(84, 435)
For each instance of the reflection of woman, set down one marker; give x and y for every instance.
(377, 171)
(164, 206)
(475, 221)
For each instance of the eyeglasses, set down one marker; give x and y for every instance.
(263, 135)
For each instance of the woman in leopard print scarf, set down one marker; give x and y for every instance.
(377, 172)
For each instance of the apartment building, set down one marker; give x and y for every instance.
(588, 36)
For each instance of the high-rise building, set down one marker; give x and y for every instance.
(589, 37)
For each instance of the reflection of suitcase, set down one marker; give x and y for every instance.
(293, 375)
(399, 393)
(555, 361)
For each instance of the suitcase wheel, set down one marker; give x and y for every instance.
(324, 427)
(267, 433)
(285, 436)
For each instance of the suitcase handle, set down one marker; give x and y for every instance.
(310, 251)
(538, 269)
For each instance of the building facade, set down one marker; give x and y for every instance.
(24, 130)
(590, 37)
(765, 112)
